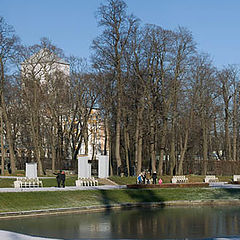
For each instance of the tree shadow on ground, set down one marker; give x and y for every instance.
(135, 198)
(227, 193)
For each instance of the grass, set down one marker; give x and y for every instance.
(41, 200)
(51, 182)
(24, 201)
(70, 180)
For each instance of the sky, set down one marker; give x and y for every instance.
(71, 24)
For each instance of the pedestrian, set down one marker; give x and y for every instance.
(148, 177)
(144, 177)
(9, 168)
(63, 177)
(160, 181)
(58, 178)
(154, 177)
(139, 179)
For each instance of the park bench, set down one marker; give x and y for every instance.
(86, 182)
(236, 178)
(179, 179)
(27, 183)
(210, 178)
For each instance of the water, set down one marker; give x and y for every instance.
(154, 223)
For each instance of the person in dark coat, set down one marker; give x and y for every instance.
(144, 177)
(9, 168)
(58, 178)
(63, 177)
(154, 177)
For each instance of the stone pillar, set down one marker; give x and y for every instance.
(103, 166)
(31, 170)
(84, 167)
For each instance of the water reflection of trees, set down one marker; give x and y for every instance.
(138, 223)
(176, 222)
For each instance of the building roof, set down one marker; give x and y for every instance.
(45, 56)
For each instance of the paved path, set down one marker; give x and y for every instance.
(223, 185)
(15, 177)
(7, 235)
(52, 189)
(103, 187)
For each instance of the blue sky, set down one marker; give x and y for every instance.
(71, 24)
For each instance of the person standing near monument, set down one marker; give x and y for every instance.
(63, 177)
(148, 177)
(58, 178)
(154, 177)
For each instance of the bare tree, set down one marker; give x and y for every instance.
(8, 44)
(109, 54)
(38, 70)
(228, 89)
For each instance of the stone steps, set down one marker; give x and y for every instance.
(106, 181)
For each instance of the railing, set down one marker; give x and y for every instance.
(27, 183)
(86, 182)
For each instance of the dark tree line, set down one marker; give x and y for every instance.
(164, 106)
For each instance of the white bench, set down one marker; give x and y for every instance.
(27, 183)
(179, 179)
(86, 182)
(210, 178)
(236, 178)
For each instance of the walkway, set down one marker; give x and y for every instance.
(7, 235)
(53, 189)
(102, 187)
(223, 185)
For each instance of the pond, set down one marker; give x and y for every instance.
(154, 223)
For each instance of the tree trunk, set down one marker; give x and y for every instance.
(140, 147)
(152, 143)
(162, 147)
(172, 149)
(172, 157)
(36, 143)
(106, 139)
(235, 126)
(182, 153)
(53, 145)
(185, 143)
(127, 150)
(138, 165)
(2, 147)
(7, 123)
(138, 137)
(227, 137)
(205, 148)
(85, 139)
(9, 137)
(117, 143)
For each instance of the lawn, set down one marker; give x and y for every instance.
(167, 179)
(24, 201)
(51, 182)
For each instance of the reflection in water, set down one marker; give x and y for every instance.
(165, 223)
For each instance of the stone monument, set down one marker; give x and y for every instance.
(103, 166)
(84, 167)
(31, 170)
